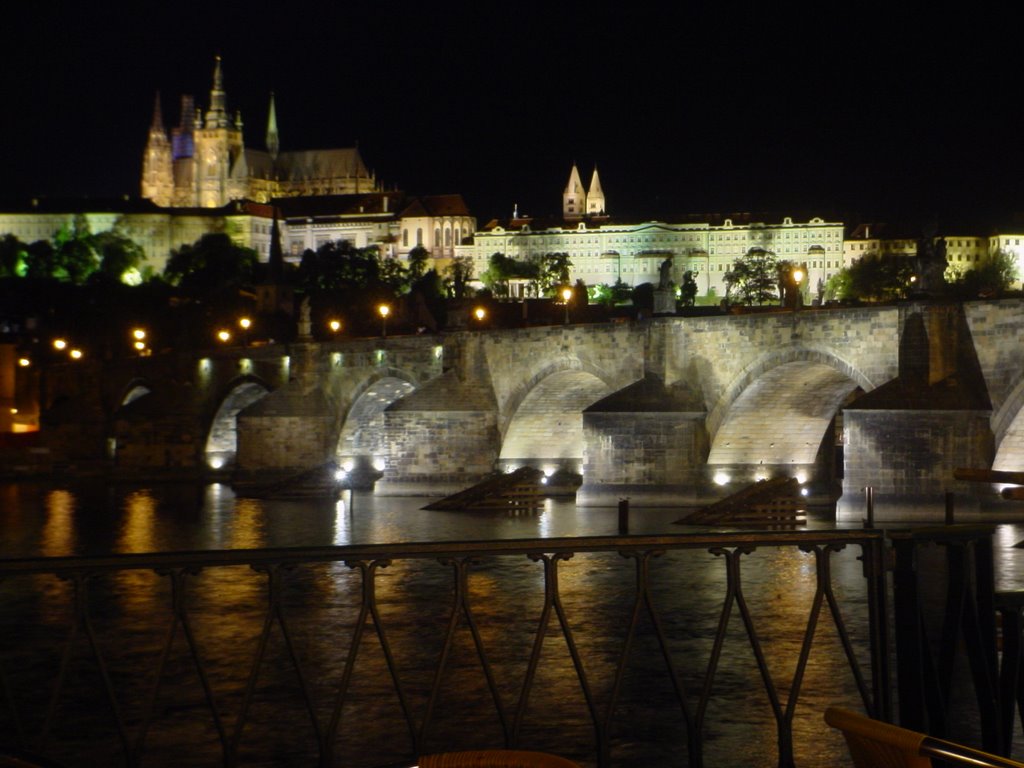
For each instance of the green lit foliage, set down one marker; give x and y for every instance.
(991, 277)
(501, 269)
(118, 254)
(753, 278)
(13, 257)
(553, 272)
(456, 276)
(610, 295)
(873, 277)
(688, 289)
(41, 261)
(212, 265)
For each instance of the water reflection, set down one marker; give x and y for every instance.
(58, 534)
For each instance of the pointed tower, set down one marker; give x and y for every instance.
(157, 163)
(273, 142)
(595, 196)
(218, 146)
(574, 200)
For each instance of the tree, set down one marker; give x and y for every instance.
(13, 256)
(212, 265)
(688, 290)
(118, 254)
(754, 277)
(457, 275)
(553, 271)
(873, 277)
(501, 269)
(418, 259)
(991, 277)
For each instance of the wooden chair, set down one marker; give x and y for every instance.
(875, 744)
(495, 758)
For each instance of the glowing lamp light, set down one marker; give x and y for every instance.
(340, 475)
(798, 276)
(334, 325)
(140, 345)
(59, 344)
(76, 354)
(244, 323)
(480, 313)
(384, 310)
(347, 466)
(804, 492)
(801, 477)
(721, 478)
(379, 464)
(24, 362)
(216, 462)
(224, 336)
(138, 334)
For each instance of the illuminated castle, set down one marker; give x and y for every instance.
(205, 163)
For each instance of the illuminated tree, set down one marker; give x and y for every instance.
(688, 290)
(553, 271)
(991, 277)
(13, 256)
(873, 277)
(754, 277)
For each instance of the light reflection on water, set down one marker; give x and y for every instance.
(228, 612)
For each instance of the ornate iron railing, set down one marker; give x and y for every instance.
(100, 655)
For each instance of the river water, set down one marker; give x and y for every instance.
(229, 604)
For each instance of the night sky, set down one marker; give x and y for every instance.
(893, 114)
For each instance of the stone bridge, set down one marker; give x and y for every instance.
(665, 411)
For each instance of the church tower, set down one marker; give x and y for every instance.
(595, 196)
(157, 165)
(218, 147)
(273, 142)
(574, 200)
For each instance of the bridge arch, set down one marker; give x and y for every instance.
(1008, 431)
(778, 411)
(132, 391)
(543, 425)
(361, 436)
(221, 445)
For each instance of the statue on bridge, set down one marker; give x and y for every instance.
(930, 264)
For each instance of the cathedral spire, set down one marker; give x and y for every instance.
(216, 115)
(595, 196)
(574, 199)
(273, 143)
(158, 118)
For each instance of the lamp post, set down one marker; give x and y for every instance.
(384, 310)
(798, 277)
(566, 297)
(244, 323)
(334, 326)
(480, 314)
(223, 335)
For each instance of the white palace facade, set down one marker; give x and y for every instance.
(604, 250)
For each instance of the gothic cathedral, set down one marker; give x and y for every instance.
(205, 163)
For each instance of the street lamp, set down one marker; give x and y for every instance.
(334, 325)
(384, 310)
(244, 323)
(566, 297)
(59, 344)
(480, 313)
(224, 335)
(139, 335)
(798, 276)
(76, 354)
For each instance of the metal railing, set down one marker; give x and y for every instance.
(332, 641)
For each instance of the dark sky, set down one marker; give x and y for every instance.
(704, 108)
